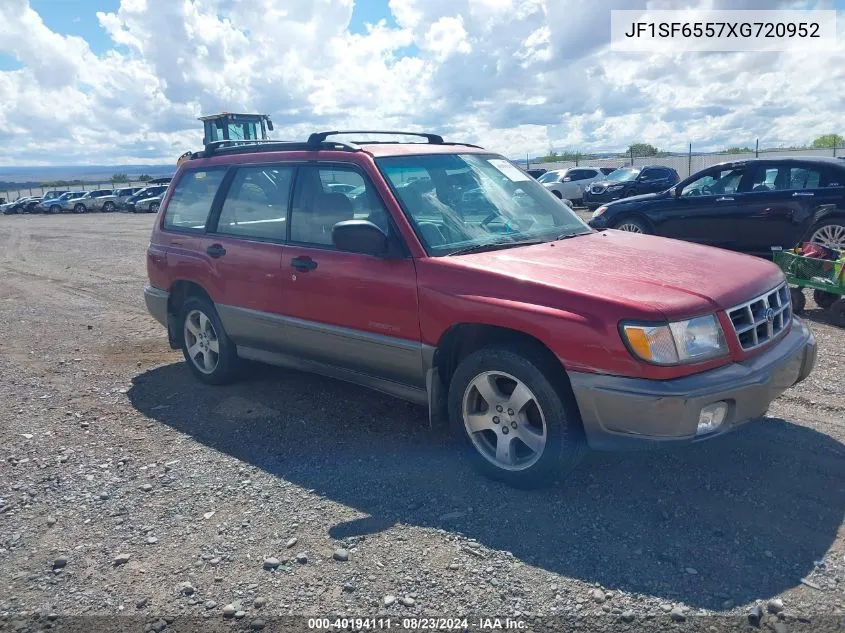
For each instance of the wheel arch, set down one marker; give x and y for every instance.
(462, 339)
(180, 291)
(633, 215)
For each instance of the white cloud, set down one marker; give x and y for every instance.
(514, 75)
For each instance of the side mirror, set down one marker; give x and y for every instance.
(676, 191)
(269, 125)
(567, 179)
(360, 236)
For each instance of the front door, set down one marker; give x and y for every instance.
(706, 209)
(348, 310)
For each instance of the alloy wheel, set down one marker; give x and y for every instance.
(630, 227)
(201, 341)
(504, 421)
(831, 236)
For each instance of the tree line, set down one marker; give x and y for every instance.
(640, 150)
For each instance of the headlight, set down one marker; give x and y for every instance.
(615, 187)
(690, 341)
(599, 211)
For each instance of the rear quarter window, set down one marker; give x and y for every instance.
(192, 197)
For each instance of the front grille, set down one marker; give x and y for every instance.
(760, 320)
(596, 189)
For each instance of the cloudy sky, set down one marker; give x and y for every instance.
(116, 81)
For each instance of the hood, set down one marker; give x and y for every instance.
(644, 197)
(645, 272)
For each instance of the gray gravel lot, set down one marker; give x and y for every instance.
(128, 488)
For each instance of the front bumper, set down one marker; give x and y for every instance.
(595, 200)
(632, 413)
(156, 300)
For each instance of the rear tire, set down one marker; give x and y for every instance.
(154, 207)
(80, 208)
(830, 233)
(539, 426)
(55, 209)
(210, 354)
(824, 299)
(108, 207)
(799, 301)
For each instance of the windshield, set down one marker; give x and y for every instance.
(623, 174)
(550, 176)
(460, 201)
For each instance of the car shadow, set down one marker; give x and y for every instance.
(738, 518)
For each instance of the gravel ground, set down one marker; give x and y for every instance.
(128, 488)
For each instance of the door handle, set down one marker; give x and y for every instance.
(798, 194)
(216, 251)
(724, 199)
(303, 264)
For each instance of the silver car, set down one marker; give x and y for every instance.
(88, 201)
(114, 199)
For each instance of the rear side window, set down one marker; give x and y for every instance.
(190, 203)
(257, 203)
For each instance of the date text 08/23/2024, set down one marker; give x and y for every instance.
(419, 624)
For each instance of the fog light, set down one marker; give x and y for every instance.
(711, 417)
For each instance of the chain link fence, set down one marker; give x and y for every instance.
(685, 163)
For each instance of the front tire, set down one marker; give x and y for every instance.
(837, 312)
(209, 352)
(631, 225)
(515, 416)
(799, 301)
(80, 208)
(55, 209)
(108, 207)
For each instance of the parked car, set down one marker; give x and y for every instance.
(535, 173)
(62, 203)
(9, 208)
(53, 193)
(749, 205)
(144, 200)
(629, 181)
(132, 201)
(23, 204)
(570, 183)
(505, 325)
(147, 205)
(160, 181)
(115, 199)
(88, 201)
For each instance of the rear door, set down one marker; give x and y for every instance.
(348, 310)
(579, 178)
(245, 246)
(782, 196)
(654, 179)
(706, 209)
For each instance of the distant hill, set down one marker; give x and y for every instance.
(33, 176)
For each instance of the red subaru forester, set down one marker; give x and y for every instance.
(443, 274)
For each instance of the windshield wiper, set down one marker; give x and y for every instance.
(494, 246)
(566, 236)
